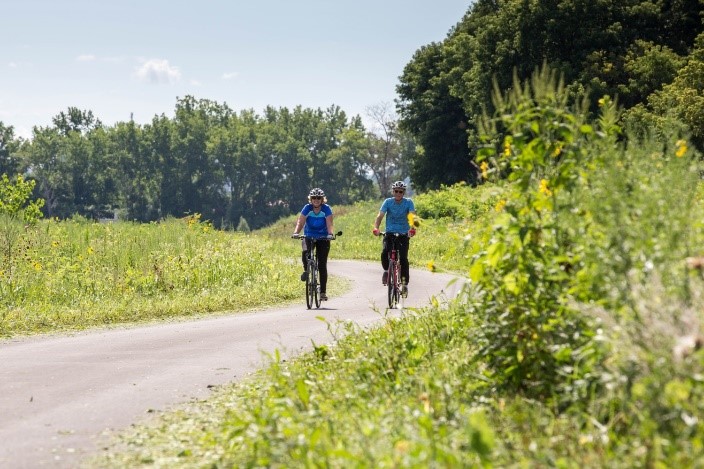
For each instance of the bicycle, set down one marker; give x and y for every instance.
(393, 276)
(312, 284)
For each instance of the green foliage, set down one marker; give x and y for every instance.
(681, 100)
(9, 160)
(15, 199)
(243, 225)
(532, 340)
(457, 202)
(434, 116)
(207, 159)
(626, 49)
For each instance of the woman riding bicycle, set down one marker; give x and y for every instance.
(396, 210)
(316, 217)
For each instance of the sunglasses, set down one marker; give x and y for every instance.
(316, 198)
(398, 192)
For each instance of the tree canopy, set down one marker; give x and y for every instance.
(627, 49)
(227, 166)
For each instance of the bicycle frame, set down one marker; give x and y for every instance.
(393, 279)
(312, 290)
(312, 280)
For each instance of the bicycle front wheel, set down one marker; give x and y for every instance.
(316, 289)
(310, 287)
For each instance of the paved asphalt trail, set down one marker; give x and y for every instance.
(62, 396)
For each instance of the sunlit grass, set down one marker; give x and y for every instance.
(76, 274)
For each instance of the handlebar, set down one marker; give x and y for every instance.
(397, 235)
(328, 237)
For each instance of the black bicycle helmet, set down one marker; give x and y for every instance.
(316, 192)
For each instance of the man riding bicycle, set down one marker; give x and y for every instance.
(396, 210)
(316, 216)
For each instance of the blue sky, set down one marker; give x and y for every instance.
(134, 58)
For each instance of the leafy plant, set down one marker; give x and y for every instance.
(16, 210)
(533, 341)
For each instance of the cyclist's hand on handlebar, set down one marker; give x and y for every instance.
(375, 231)
(295, 235)
(411, 232)
(330, 236)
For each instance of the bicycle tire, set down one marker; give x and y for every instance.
(393, 281)
(310, 286)
(316, 290)
(390, 288)
(397, 283)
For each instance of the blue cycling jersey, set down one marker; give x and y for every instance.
(316, 226)
(397, 214)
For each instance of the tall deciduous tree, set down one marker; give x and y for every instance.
(389, 150)
(436, 119)
(9, 160)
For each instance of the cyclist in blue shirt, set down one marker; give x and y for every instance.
(396, 210)
(316, 221)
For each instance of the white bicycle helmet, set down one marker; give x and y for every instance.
(398, 185)
(316, 192)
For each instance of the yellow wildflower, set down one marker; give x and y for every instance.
(500, 205)
(507, 148)
(485, 169)
(558, 149)
(431, 266)
(681, 148)
(544, 189)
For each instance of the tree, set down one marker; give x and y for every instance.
(16, 210)
(683, 99)
(75, 120)
(620, 48)
(436, 119)
(198, 176)
(9, 162)
(389, 150)
(48, 164)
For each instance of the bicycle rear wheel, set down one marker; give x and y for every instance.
(392, 282)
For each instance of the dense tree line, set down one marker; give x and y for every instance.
(646, 54)
(234, 168)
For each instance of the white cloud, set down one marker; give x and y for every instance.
(12, 65)
(157, 71)
(85, 58)
(196, 83)
(230, 75)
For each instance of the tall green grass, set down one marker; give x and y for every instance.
(77, 274)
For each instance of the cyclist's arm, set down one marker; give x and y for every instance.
(378, 219)
(328, 223)
(299, 224)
